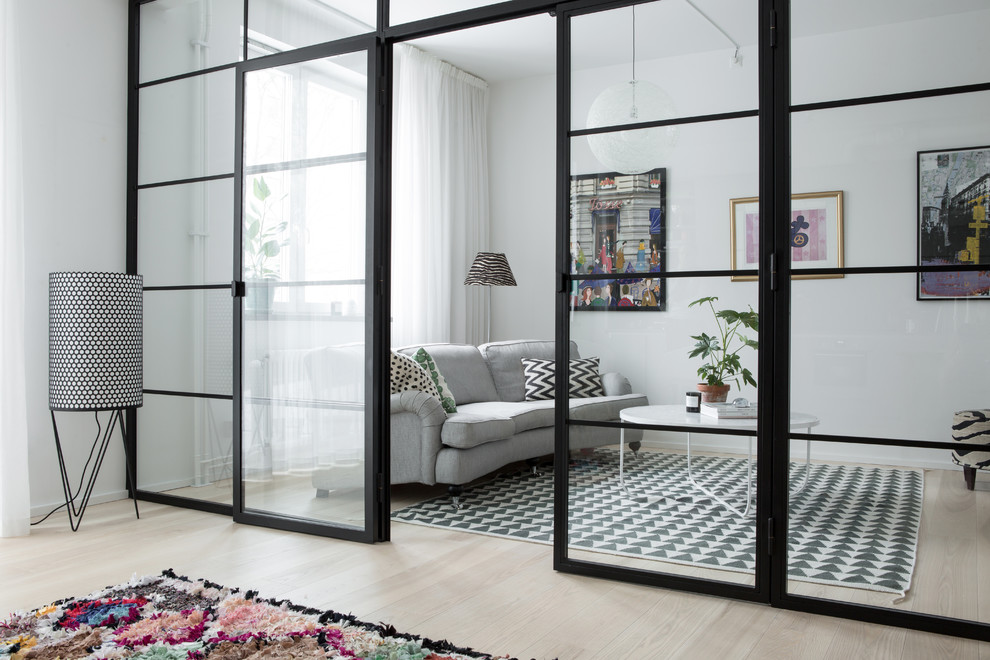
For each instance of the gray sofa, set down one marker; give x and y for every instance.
(493, 425)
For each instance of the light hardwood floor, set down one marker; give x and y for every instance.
(494, 595)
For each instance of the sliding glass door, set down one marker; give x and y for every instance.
(888, 311)
(306, 342)
(839, 193)
(655, 492)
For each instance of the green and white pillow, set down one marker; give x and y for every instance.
(425, 360)
(406, 374)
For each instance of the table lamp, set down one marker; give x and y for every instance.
(95, 359)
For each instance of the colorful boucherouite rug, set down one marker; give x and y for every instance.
(168, 617)
(852, 526)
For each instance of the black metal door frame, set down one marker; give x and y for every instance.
(376, 501)
(761, 590)
(773, 435)
(774, 290)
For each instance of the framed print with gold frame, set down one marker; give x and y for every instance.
(816, 234)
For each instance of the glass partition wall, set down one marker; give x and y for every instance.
(181, 211)
(658, 490)
(808, 176)
(890, 117)
(250, 129)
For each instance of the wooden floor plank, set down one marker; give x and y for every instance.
(732, 633)
(795, 635)
(856, 640)
(663, 627)
(922, 646)
(609, 616)
(490, 594)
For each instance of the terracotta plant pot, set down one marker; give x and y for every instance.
(713, 393)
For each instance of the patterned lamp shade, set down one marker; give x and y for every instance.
(490, 269)
(94, 341)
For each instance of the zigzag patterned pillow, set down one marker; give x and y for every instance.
(585, 380)
(405, 374)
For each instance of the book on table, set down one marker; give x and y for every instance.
(728, 411)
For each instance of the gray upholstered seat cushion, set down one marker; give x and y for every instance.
(463, 368)
(525, 415)
(504, 360)
(464, 430)
(528, 415)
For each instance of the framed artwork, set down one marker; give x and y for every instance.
(618, 226)
(816, 234)
(953, 191)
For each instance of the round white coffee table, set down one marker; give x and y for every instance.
(675, 415)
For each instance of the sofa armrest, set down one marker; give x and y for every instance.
(423, 405)
(415, 423)
(615, 384)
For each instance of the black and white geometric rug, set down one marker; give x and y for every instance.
(852, 526)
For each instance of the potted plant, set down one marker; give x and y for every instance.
(721, 352)
(263, 241)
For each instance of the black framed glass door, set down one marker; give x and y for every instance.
(646, 490)
(309, 442)
(890, 179)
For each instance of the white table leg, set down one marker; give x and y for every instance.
(646, 499)
(718, 498)
(622, 452)
(807, 467)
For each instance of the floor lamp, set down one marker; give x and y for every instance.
(95, 360)
(490, 269)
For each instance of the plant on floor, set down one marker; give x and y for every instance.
(721, 352)
(264, 233)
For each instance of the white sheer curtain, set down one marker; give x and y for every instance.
(439, 200)
(15, 497)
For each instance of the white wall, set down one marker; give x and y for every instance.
(866, 356)
(522, 172)
(74, 83)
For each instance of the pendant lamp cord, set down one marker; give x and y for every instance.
(634, 43)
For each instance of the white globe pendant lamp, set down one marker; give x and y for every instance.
(633, 102)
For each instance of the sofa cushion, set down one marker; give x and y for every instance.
(425, 360)
(584, 379)
(504, 360)
(406, 375)
(525, 415)
(465, 370)
(464, 430)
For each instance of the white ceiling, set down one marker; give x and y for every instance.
(527, 47)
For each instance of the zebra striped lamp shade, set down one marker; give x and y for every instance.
(490, 269)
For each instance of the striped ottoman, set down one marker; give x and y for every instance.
(971, 427)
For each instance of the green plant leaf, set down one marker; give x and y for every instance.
(270, 248)
(261, 190)
(706, 346)
(750, 319)
(251, 231)
(701, 301)
(729, 315)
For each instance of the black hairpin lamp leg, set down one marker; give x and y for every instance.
(131, 465)
(87, 480)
